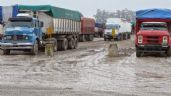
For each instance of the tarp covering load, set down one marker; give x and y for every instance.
(154, 14)
(54, 11)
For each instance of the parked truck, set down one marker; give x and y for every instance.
(153, 31)
(87, 29)
(122, 29)
(99, 29)
(30, 33)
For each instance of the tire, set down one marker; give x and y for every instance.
(35, 49)
(91, 37)
(138, 53)
(59, 45)
(129, 36)
(71, 43)
(82, 38)
(121, 37)
(126, 36)
(6, 52)
(105, 39)
(169, 52)
(75, 43)
(64, 44)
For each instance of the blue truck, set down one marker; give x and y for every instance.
(29, 30)
(22, 33)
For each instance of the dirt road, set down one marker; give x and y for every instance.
(86, 71)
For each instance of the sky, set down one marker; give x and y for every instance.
(89, 7)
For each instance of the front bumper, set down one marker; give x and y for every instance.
(16, 46)
(152, 48)
(109, 36)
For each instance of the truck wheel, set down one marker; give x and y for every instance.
(91, 37)
(59, 45)
(75, 43)
(169, 52)
(82, 38)
(6, 51)
(121, 37)
(138, 53)
(71, 43)
(64, 44)
(105, 39)
(55, 48)
(126, 36)
(35, 49)
(129, 36)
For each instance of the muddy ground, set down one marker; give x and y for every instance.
(86, 71)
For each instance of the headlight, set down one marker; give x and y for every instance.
(140, 39)
(165, 38)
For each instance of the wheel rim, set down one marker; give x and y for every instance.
(55, 47)
(66, 44)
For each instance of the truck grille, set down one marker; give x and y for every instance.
(153, 39)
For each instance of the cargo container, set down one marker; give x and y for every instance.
(87, 29)
(122, 29)
(61, 24)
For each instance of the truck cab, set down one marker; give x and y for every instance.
(22, 33)
(108, 31)
(153, 31)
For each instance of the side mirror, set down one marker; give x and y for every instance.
(41, 24)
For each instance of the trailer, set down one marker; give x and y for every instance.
(122, 29)
(87, 29)
(61, 24)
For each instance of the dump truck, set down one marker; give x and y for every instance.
(99, 29)
(87, 29)
(32, 31)
(122, 29)
(153, 30)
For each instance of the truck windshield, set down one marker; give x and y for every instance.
(154, 27)
(110, 26)
(19, 24)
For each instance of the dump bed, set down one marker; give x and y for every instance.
(87, 26)
(62, 21)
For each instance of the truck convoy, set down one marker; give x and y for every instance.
(87, 29)
(30, 32)
(153, 31)
(122, 29)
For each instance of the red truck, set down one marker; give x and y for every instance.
(87, 29)
(153, 31)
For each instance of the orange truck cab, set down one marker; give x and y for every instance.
(153, 31)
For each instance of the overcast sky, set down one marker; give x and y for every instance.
(89, 7)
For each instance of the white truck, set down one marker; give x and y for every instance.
(122, 29)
